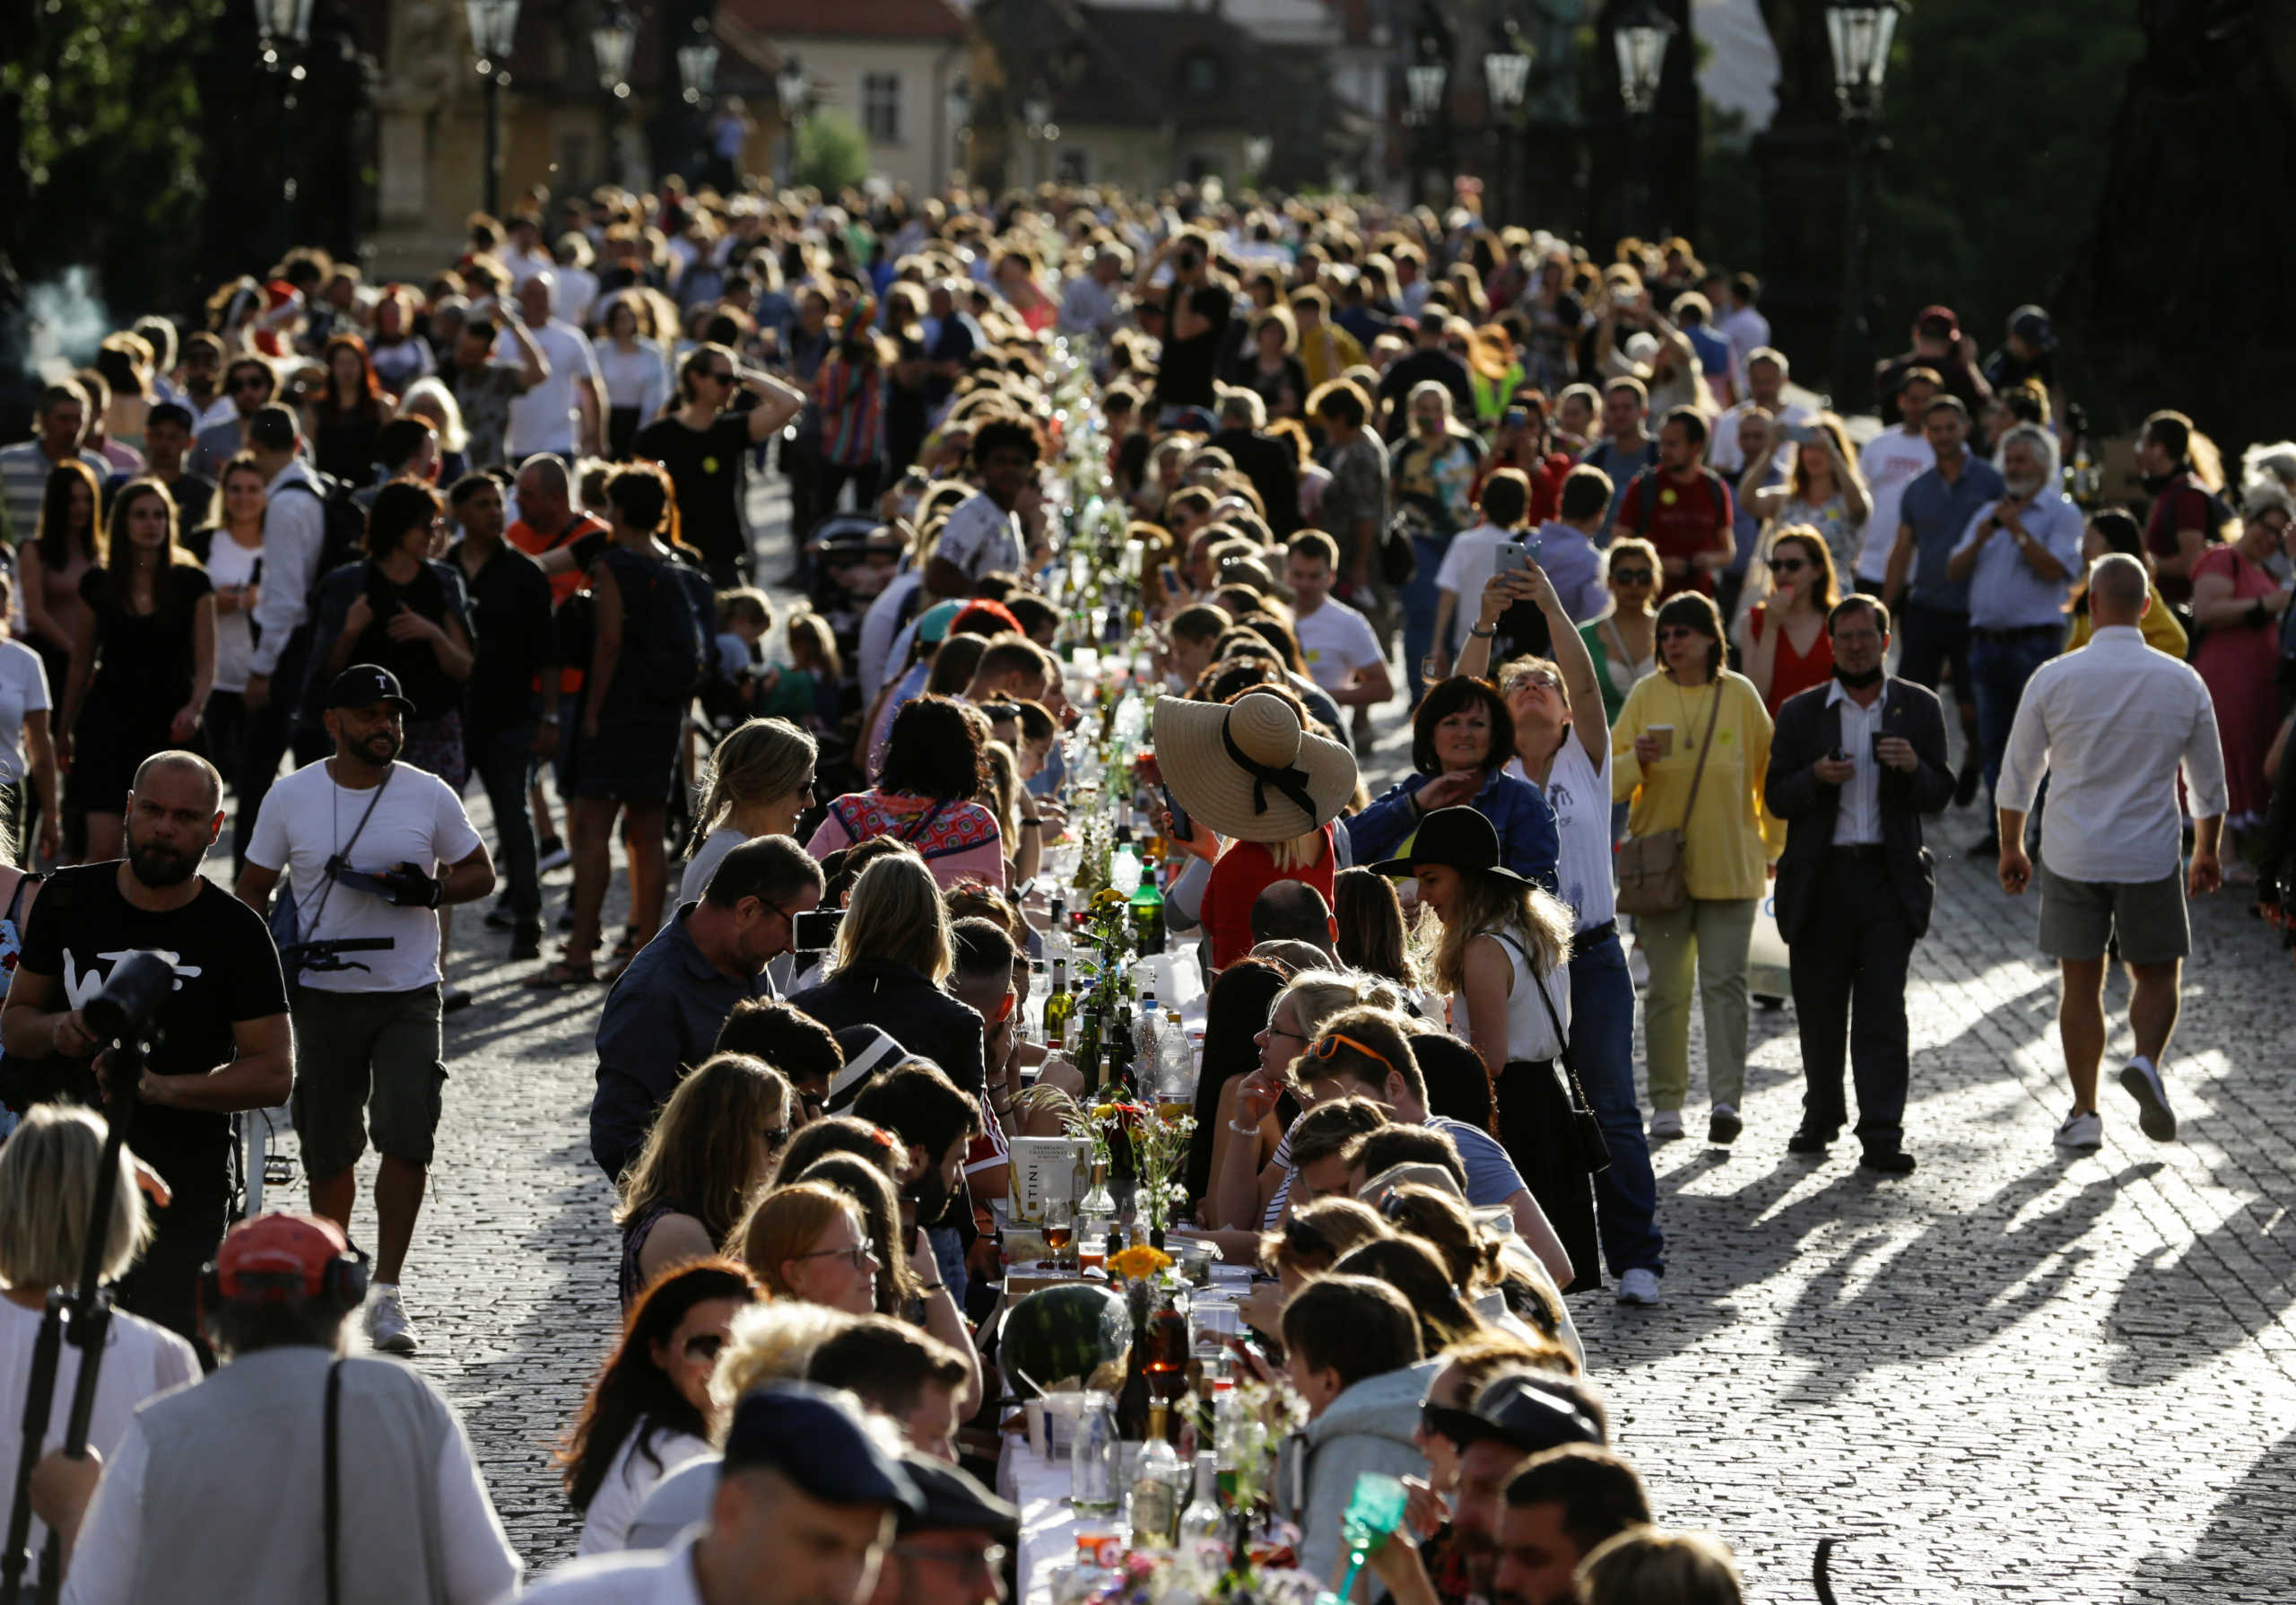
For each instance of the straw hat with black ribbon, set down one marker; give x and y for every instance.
(1248, 770)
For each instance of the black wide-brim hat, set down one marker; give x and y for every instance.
(1459, 838)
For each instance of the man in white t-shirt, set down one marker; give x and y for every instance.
(361, 838)
(23, 691)
(983, 535)
(1343, 651)
(1891, 461)
(567, 408)
(1563, 742)
(1766, 375)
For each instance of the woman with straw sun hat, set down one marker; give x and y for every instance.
(1248, 771)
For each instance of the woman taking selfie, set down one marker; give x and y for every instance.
(1690, 751)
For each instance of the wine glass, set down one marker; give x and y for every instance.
(1059, 1228)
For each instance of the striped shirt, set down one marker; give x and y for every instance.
(851, 400)
(23, 481)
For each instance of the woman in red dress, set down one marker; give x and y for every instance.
(1784, 640)
(2238, 604)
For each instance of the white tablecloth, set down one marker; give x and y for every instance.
(1048, 1521)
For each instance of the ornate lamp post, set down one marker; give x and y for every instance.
(1641, 37)
(1036, 121)
(957, 110)
(791, 88)
(1858, 33)
(613, 42)
(698, 75)
(1425, 82)
(1506, 76)
(494, 32)
(283, 28)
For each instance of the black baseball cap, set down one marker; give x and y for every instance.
(363, 684)
(812, 1436)
(953, 1501)
(1457, 837)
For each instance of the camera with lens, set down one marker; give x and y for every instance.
(405, 888)
(131, 998)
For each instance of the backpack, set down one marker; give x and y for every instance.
(673, 652)
(344, 535)
(1646, 504)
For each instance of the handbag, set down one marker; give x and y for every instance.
(1586, 1131)
(1653, 870)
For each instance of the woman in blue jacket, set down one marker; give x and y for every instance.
(1461, 739)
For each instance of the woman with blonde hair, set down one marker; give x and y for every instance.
(760, 781)
(1651, 1565)
(807, 1242)
(891, 966)
(1783, 639)
(1824, 489)
(714, 1145)
(1503, 954)
(429, 399)
(48, 1187)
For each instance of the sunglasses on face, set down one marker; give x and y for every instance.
(1632, 576)
(775, 1138)
(1680, 632)
(1788, 566)
(704, 1348)
(250, 382)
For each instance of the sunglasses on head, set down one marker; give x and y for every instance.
(1302, 1238)
(1327, 1048)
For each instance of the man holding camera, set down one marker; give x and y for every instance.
(362, 837)
(222, 1041)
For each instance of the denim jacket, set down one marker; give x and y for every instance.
(1517, 809)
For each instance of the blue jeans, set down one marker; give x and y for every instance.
(1999, 667)
(504, 763)
(1418, 601)
(1602, 1051)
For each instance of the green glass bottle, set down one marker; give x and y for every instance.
(1148, 914)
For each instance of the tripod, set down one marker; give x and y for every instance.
(82, 1319)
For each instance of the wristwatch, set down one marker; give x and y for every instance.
(1480, 634)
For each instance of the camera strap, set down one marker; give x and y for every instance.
(308, 932)
(331, 1491)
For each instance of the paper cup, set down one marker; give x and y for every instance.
(1663, 735)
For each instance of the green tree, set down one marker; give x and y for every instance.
(1998, 119)
(832, 153)
(99, 137)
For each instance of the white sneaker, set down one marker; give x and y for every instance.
(1666, 1125)
(1638, 968)
(1638, 1287)
(2085, 1133)
(388, 1327)
(557, 858)
(2141, 1079)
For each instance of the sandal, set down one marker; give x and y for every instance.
(560, 974)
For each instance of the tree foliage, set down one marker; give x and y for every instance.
(832, 153)
(1997, 119)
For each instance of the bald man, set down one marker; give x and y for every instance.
(1292, 911)
(2111, 724)
(224, 1044)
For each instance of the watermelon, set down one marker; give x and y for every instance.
(1058, 1334)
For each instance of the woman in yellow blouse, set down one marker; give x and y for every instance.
(1729, 842)
(2115, 529)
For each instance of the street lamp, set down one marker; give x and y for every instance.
(1640, 36)
(283, 28)
(1257, 149)
(791, 85)
(1858, 33)
(957, 107)
(1036, 121)
(614, 42)
(698, 64)
(282, 22)
(1506, 76)
(1424, 81)
(493, 33)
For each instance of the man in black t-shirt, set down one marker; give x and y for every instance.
(224, 1042)
(703, 444)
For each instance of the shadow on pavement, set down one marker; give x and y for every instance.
(2249, 1549)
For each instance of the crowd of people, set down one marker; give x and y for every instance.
(1638, 597)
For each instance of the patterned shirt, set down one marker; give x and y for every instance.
(851, 400)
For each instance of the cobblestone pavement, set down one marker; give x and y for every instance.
(2012, 1376)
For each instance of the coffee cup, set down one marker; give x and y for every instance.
(1663, 735)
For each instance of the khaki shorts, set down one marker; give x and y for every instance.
(358, 1050)
(2080, 918)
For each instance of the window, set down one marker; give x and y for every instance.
(881, 106)
(1200, 74)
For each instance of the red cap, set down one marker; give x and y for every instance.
(280, 1245)
(1944, 315)
(978, 613)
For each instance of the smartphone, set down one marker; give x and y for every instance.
(1182, 830)
(1170, 573)
(815, 931)
(1516, 418)
(1799, 434)
(1514, 557)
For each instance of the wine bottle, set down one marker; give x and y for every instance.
(1156, 1488)
(1059, 1007)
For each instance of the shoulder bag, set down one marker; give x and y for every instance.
(1653, 870)
(1594, 1149)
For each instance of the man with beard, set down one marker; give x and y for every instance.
(1515, 1416)
(1560, 1506)
(1853, 767)
(224, 1042)
(2019, 555)
(362, 838)
(933, 1119)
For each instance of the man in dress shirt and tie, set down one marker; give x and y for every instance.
(1853, 766)
(2018, 557)
(2110, 725)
